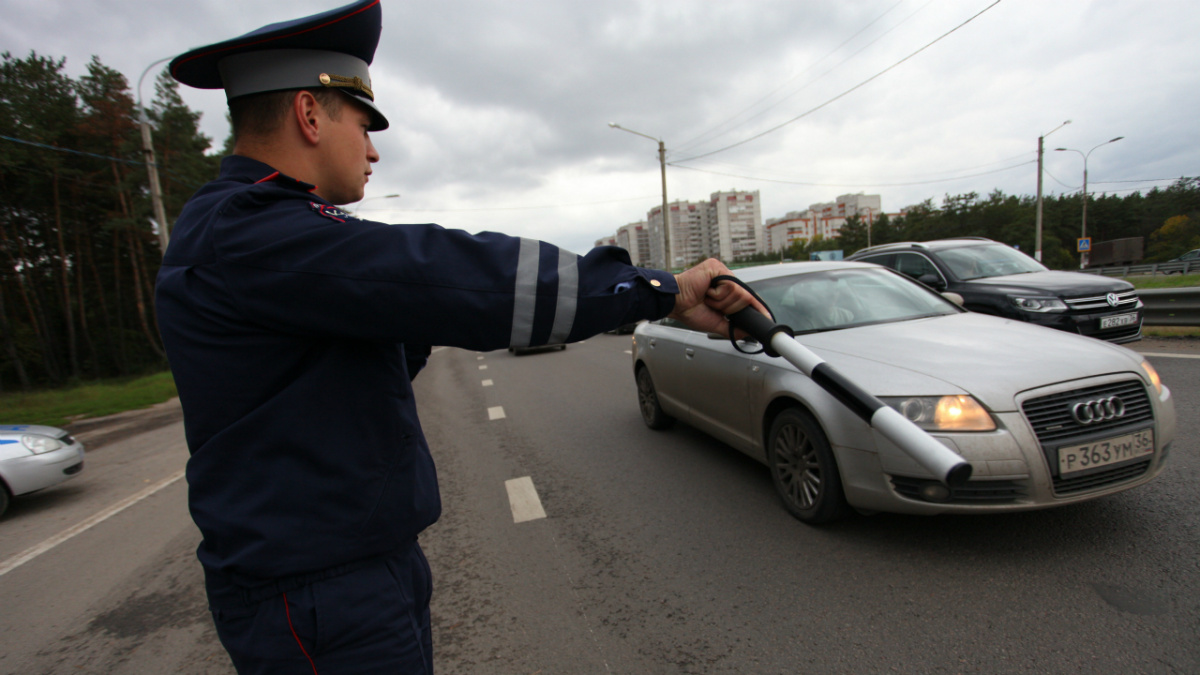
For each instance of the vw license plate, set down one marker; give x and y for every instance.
(1118, 321)
(1075, 458)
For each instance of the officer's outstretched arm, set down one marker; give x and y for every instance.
(704, 308)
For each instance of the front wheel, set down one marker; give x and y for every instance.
(652, 412)
(804, 470)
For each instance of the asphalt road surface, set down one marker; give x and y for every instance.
(659, 552)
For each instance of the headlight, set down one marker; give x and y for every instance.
(39, 444)
(1153, 375)
(1038, 304)
(942, 413)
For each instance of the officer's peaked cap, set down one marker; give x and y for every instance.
(331, 49)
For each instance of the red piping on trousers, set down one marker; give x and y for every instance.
(302, 649)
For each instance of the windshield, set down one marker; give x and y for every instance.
(834, 299)
(989, 260)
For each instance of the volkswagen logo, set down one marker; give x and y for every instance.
(1102, 410)
(1112, 299)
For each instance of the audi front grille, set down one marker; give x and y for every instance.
(1054, 424)
(1081, 415)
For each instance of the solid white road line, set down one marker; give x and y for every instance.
(496, 413)
(34, 551)
(487, 383)
(523, 499)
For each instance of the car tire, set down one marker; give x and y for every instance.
(5, 498)
(804, 470)
(652, 412)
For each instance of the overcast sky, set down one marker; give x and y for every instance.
(499, 110)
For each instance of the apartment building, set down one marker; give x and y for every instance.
(687, 227)
(734, 228)
(823, 219)
(635, 238)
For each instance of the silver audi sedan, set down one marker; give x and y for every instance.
(1044, 417)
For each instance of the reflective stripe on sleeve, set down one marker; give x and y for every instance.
(568, 297)
(525, 293)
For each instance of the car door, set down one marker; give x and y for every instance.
(665, 354)
(717, 387)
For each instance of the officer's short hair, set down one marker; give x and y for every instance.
(264, 114)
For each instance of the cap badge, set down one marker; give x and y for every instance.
(342, 82)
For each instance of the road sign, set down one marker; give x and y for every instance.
(1085, 244)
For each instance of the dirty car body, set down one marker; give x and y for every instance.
(1045, 418)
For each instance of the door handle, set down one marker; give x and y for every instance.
(690, 352)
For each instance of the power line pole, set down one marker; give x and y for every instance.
(1037, 249)
(156, 201)
(666, 216)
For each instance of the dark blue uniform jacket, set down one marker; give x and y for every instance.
(294, 331)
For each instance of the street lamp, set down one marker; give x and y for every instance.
(1037, 249)
(360, 202)
(160, 213)
(1083, 257)
(662, 161)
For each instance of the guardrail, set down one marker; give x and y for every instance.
(1185, 267)
(1171, 306)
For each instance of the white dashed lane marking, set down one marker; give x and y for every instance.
(483, 367)
(487, 383)
(1172, 356)
(496, 413)
(523, 499)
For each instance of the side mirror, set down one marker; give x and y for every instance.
(953, 297)
(932, 280)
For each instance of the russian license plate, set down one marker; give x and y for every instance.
(1118, 320)
(1075, 458)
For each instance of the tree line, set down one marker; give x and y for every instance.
(78, 248)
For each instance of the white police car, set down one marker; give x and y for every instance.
(33, 457)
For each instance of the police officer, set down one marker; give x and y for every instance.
(294, 331)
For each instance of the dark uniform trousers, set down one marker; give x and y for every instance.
(372, 619)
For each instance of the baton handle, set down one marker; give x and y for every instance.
(927, 451)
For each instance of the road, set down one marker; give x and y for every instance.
(661, 552)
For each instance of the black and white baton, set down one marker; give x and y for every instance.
(777, 340)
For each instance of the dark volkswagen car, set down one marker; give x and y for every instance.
(996, 279)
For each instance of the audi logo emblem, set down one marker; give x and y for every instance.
(1102, 410)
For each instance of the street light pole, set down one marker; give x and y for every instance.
(1083, 257)
(1037, 248)
(160, 213)
(662, 162)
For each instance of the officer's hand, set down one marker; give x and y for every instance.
(704, 308)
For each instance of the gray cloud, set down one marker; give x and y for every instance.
(498, 107)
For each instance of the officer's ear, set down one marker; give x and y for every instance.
(305, 112)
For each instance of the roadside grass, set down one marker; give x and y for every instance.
(1164, 280)
(59, 407)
